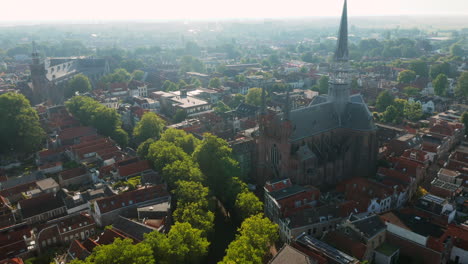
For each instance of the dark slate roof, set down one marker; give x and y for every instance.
(286, 192)
(318, 100)
(131, 228)
(40, 204)
(290, 255)
(370, 226)
(318, 118)
(311, 216)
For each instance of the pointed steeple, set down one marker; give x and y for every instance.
(341, 53)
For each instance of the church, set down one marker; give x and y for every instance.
(49, 76)
(331, 139)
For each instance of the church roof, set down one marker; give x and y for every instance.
(318, 118)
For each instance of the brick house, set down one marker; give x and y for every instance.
(105, 210)
(41, 208)
(283, 198)
(71, 136)
(16, 241)
(62, 231)
(75, 176)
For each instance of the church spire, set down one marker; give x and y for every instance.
(341, 53)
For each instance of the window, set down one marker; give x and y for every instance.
(324, 229)
(314, 231)
(274, 155)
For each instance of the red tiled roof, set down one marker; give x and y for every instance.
(115, 202)
(12, 261)
(49, 152)
(72, 173)
(416, 155)
(346, 244)
(78, 251)
(134, 168)
(18, 189)
(76, 132)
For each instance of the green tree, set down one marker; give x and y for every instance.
(391, 115)
(248, 204)
(20, 131)
(215, 83)
(162, 153)
(239, 78)
(457, 50)
(142, 149)
(181, 139)
(196, 82)
(138, 75)
(413, 111)
(191, 192)
(256, 235)
(182, 170)
(234, 187)
(411, 91)
(79, 83)
(419, 67)
(196, 215)
(131, 65)
(182, 84)
(214, 157)
(323, 84)
(236, 100)
(118, 76)
(439, 68)
(221, 108)
(120, 136)
(169, 86)
(120, 252)
(464, 120)
(384, 99)
(440, 84)
(150, 126)
(462, 85)
(254, 96)
(187, 244)
(183, 244)
(179, 116)
(406, 77)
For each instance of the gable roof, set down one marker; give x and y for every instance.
(290, 255)
(131, 228)
(40, 204)
(118, 201)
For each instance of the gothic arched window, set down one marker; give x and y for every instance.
(274, 155)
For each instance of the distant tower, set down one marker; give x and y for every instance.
(339, 87)
(38, 76)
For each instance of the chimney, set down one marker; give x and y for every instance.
(183, 93)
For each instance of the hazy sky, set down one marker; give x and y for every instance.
(19, 10)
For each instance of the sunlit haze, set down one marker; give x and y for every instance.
(98, 10)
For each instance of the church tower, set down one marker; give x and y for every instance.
(339, 84)
(38, 76)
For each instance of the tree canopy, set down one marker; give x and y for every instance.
(120, 252)
(162, 153)
(440, 84)
(248, 204)
(214, 157)
(150, 126)
(215, 83)
(384, 99)
(406, 76)
(256, 234)
(20, 130)
(91, 113)
(79, 83)
(462, 85)
(254, 96)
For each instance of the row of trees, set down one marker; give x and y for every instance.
(91, 113)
